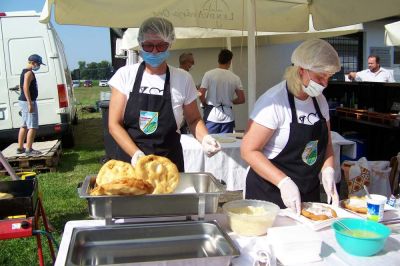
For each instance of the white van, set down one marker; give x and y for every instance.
(21, 34)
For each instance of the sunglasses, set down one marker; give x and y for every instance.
(149, 47)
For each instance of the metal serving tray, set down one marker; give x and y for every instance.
(196, 193)
(173, 243)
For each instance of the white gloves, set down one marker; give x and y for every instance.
(136, 156)
(328, 181)
(290, 194)
(210, 145)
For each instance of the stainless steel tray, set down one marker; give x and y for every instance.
(173, 243)
(204, 191)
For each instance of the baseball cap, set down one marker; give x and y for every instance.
(36, 58)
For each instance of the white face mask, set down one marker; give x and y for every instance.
(313, 89)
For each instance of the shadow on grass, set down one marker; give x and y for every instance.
(59, 220)
(72, 159)
(89, 134)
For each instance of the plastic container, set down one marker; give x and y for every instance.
(375, 206)
(250, 217)
(366, 238)
(295, 245)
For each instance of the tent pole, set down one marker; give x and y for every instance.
(229, 47)
(251, 48)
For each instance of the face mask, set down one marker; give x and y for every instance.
(154, 60)
(313, 89)
(35, 68)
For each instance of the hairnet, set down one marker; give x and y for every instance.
(161, 27)
(316, 55)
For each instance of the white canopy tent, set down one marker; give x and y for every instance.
(195, 37)
(250, 15)
(392, 34)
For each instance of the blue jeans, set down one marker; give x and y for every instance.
(215, 128)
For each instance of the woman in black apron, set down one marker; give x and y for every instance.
(146, 123)
(291, 176)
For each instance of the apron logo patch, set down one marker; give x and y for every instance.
(310, 152)
(148, 122)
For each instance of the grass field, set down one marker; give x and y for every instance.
(59, 189)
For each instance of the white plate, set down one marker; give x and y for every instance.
(317, 225)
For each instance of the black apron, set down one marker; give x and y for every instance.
(150, 122)
(209, 107)
(305, 141)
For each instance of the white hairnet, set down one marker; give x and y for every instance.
(316, 55)
(161, 27)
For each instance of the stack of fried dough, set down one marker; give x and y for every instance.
(152, 175)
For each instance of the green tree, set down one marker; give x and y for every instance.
(104, 70)
(93, 70)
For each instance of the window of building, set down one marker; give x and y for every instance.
(349, 48)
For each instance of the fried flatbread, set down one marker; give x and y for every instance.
(127, 186)
(158, 171)
(317, 211)
(356, 204)
(4, 195)
(114, 170)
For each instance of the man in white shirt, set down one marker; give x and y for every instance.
(218, 90)
(186, 61)
(374, 73)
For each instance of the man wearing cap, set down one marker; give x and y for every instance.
(288, 142)
(27, 103)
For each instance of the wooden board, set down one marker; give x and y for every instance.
(45, 162)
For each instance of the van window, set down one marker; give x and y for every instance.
(21, 49)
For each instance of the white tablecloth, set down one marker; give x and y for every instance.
(226, 165)
(331, 252)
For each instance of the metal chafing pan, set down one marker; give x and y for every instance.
(196, 193)
(172, 243)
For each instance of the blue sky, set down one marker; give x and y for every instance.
(81, 43)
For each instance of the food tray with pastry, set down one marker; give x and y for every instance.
(150, 189)
(317, 215)
(358, 205)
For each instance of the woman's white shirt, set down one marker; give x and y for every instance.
(272, 110)
(183, 89)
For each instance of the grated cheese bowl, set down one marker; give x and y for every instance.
(250, 217)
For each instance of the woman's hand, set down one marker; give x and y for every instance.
(290, 194)
(210, 145)
(136, 156)
(328, 181)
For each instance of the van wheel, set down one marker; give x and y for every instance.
(75, 119)
(68, 140)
